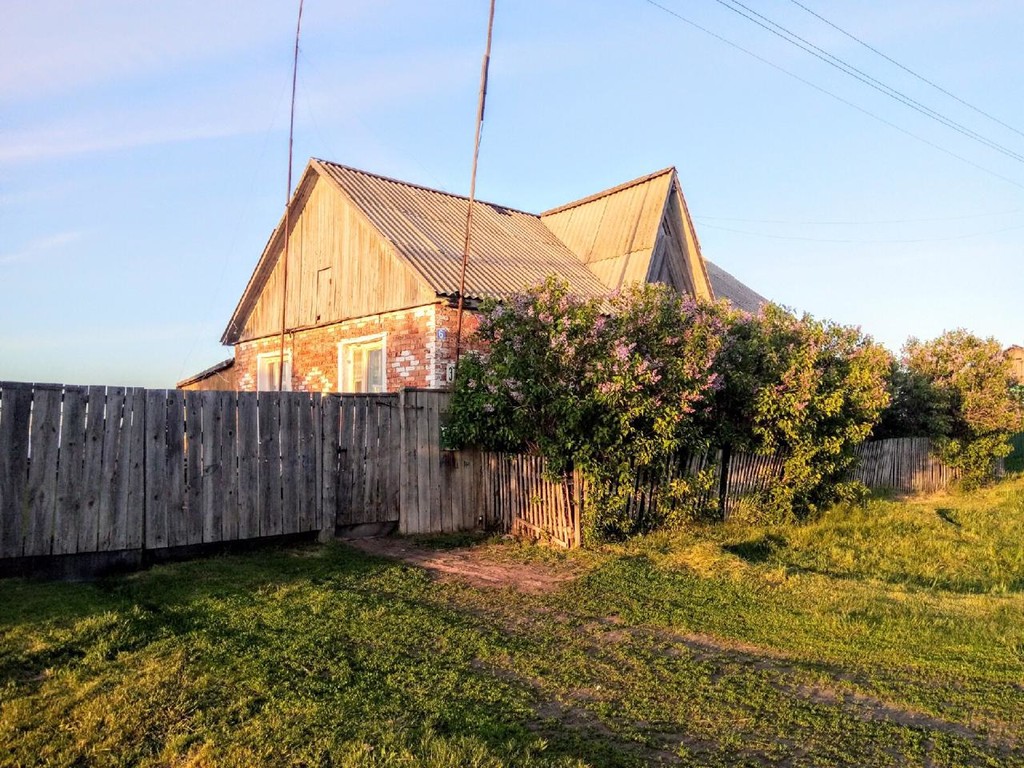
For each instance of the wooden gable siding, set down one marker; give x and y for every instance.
(339, 268)
(615, 234)
(676, 259)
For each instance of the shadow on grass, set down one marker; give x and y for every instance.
(298, 639)
(757, 550)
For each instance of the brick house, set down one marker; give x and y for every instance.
(372, 275)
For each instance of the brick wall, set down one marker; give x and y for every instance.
(447, 321)
(409, 349)
(419, 345)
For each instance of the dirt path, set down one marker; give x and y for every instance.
(472, 566)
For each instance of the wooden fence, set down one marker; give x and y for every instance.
(903, 464)
(105, 469)
(109, 469)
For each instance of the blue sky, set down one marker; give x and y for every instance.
(143, 152)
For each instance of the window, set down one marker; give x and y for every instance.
(361, 364)
(268, 367)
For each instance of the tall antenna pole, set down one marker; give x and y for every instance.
(287, 206)
(472, 183)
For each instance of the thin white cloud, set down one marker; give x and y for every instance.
(41, 247)
(59, 46)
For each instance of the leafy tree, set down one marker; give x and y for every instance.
(605, 387)
(961, 392)
(807, 390)
(618, 388)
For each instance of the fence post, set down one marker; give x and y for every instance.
(723, 481)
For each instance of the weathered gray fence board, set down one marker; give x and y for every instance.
(330, 431)
(70, 471)
(270, 464)
(408, 492)
(289, 462)
(114, 431)
(309, 461)
(194, 467)
(92, 470)
(15, 416)
(248, 467)
(134, 479)
(174, 466)
(42, 471)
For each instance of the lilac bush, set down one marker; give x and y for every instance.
(619, 387)
(963, 387)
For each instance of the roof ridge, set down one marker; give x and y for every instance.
(424, 187)
(610, 191)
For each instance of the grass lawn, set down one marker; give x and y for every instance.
(886, 635)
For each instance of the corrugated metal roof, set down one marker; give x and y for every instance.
(510, 250)
(728, 287)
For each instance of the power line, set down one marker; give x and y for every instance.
(863, 241)
(829, 93)
(858, 223)
(908, 70)
(834, 61)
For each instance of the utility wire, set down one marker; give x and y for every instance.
(863, 241)
(829, 93)
(908, 70)
(805, 45)
(858, 223)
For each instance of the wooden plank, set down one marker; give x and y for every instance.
(330, 417)
(194, 402)
(15, 422)
(346, 481)
(92, 470)
(174, 466)
(446, 477)
(226, 482)
(247, 440)
(110, 515)
(406, 471)
(381, 451)
(70, 471)
(41, 491)
(422, 426)
(228, 461)
(132, 468)
(310, 471)
(347, 460)
(394, 503)
(289, 460)
(371, 499)
(434, 459)
(270, 463)
(361, 501)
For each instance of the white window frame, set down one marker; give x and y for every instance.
(348, 346)
(261, 361)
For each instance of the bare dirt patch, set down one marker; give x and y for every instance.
(471, 566)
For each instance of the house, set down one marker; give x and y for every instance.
(1015, 354)
(371, 283)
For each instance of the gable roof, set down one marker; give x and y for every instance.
(614, 232)
(509, 249)
(728, 287)
(636, 231)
